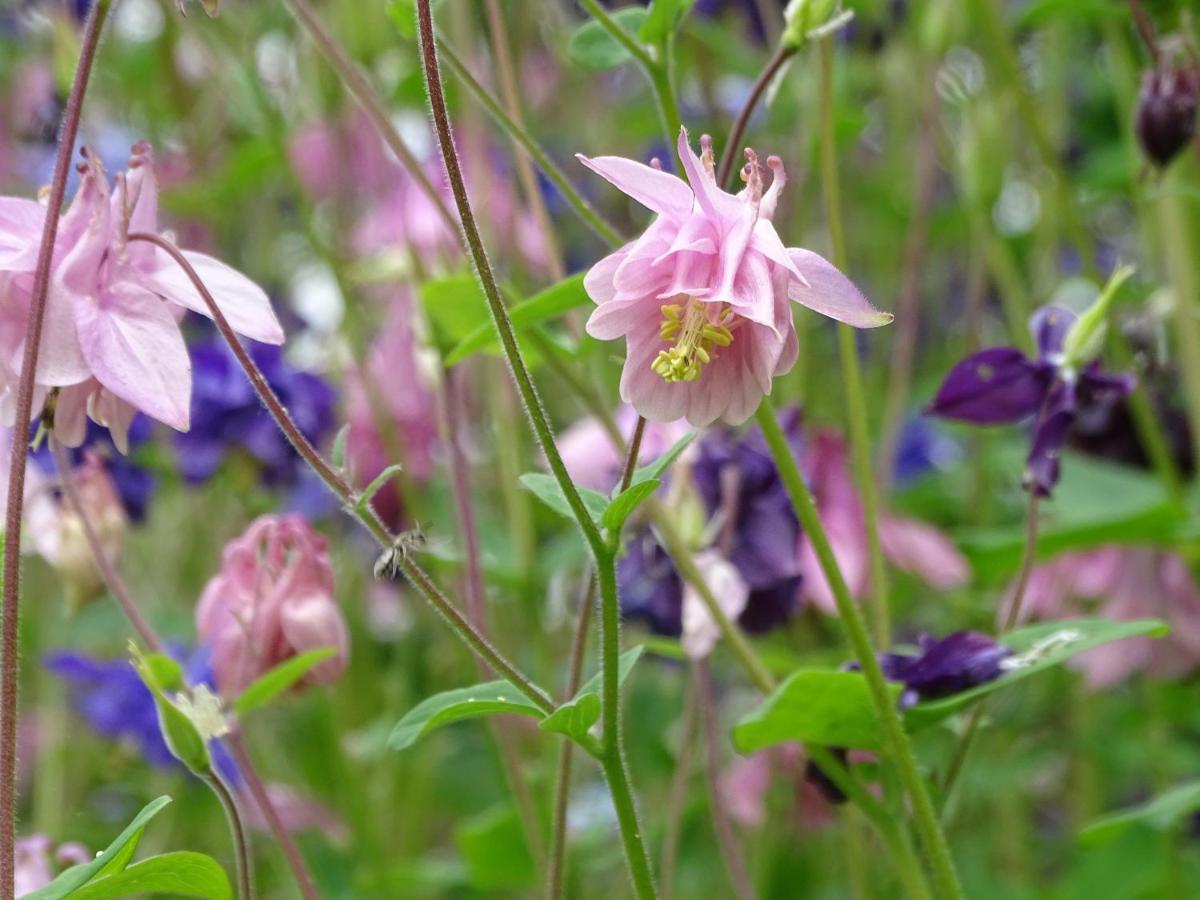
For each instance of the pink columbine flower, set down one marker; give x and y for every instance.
(1122, 583)
(593, 460)
(702, 297)
(36, 861)
(111, 346)
(271, 600)
(908, 544)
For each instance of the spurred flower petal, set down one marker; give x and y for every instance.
(658, 191)
(1050, 325)
(243, 302)
(20, 232)
(991, 387)
(831, 293)
(915, 547)
(134, 347)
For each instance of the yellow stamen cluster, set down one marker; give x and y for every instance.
(695, 337)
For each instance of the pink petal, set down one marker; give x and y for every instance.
(599, 280)
(831, 293)
(700, 630)
(656, 190)
(919, 548)
(721, 207)
(20, 232)
(243, 302)
(135, 349)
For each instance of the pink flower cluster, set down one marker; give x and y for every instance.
(702, 297)
(111, 343)
(271, 600)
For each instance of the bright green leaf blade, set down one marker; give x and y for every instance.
(1161, 813)
(1039, 647)
(574, 718)
(267, 687)
(77, 876)
(592, 46)
(655, 470)
(182, 873)
(494, 847)
(179, 732)
(167, 672)
(536, 310)
(487, 699)
(624, 667)
(455, 307)
(377, 484)
(622, 508)
(546, 489)
(818, 705)
(120, 860)
(663, 18)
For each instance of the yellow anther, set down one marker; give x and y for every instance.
(695, 338)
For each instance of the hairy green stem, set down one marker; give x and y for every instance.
(856, 404)
(900, 749)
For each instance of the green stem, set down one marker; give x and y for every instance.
(237, 833)
(612, 755)
(856, 404)
(901, 752)
(1181, 256)
(526, 141)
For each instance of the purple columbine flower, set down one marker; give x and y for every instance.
(113, 700)
(956, 663)
(1002, 385)
(227, 416)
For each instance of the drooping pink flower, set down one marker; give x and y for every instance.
(271, 600)
(702, 297)
(1122, 583)
(908, 544)
(110, 343)
(591, 457)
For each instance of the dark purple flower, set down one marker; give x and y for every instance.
(957, 662)
(757, 532)
(135, 485)
(1166, 112)
(228, 417)
(1002, 385)
(114, 701)
(922, 448)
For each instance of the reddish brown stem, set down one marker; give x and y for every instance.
(14, 509)
(729, 154)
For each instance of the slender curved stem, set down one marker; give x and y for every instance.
(678, 793)
(900, 749)
(14, 509)
(521, 136)
(360, 88)
(350, 497)
(237, 831)
(283, 837)
(729, 155)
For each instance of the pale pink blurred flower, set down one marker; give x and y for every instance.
(346, 156)
(110, 344)
(271, 600)
(593, 461)
(297, 811)
(37, 861)
(700, 629)
(908, 544)
(746, 783)
(1122, 583)
(391, 407)
(702, 297)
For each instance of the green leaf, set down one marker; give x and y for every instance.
(490, 698)
(536, 310)
(663, 18)
(181, 873)
(1037, 647)
(494, 847)
(592, 46)
(179, 732)
(654, 470)
(545, 488)
(455, 306)
(167, 672)
(267, 687)
(575, 717)
(627, 501)
(818, 705)
(338, 456)
(1161, 813)
(77, 876)
(377, 484)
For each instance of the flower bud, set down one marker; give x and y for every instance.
(1166, 112)
(271, 600)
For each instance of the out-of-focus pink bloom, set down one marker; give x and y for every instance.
(744, 786)
(271, 600)
(392, 409)
(297, 811)
(349, 155)
(700, 630)
(110, 344)
(37, 860)
(908, 544)
(593, 461)
(702, 297)
(1122, 583)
